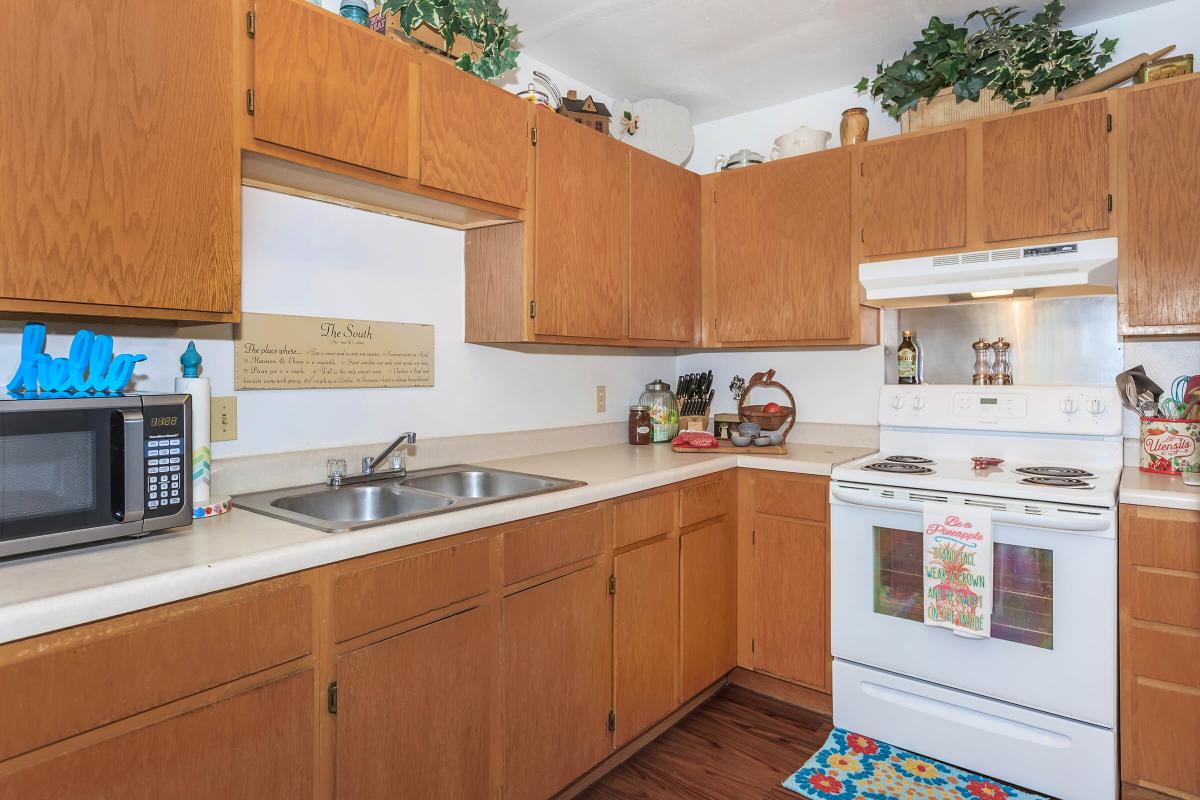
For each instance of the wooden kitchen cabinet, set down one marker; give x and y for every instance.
(707, 605)
(914, 193)
(581, 240)
(1159, 590)
(664, 250)
(120, 162)
(1160, 216)
(782, 261)
(475, 137)
(414, 713)
(1045, 172)
(326, 86)
(645, 626)
(556, 678)
(789, 578)
(257, 743)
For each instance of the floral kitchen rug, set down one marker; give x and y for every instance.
(855, 767)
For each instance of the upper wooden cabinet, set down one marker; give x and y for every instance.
(664, 249)
(474, 136)
(1160, 217)
(1045, 172)
(326, 86)
(581, 241)
(119, 161)
(914, 193)
(782, 254)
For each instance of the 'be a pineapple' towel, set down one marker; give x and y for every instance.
(958, 569)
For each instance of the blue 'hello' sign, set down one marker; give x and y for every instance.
(89, 367)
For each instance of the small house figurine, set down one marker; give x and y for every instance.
(587, 111)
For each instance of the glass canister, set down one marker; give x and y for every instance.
(1002, 374)
(664, 414)
(355, 10)
(639, 425)
(983, 362)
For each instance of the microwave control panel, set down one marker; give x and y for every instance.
(168, 462)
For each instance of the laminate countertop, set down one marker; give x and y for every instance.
(1163, 491)
(48, 592)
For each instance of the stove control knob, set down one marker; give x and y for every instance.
(918, 402)
(898, 402)
(1096, 407)
(1069, 406)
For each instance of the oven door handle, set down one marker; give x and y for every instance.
(133, 467)
(1057, 522)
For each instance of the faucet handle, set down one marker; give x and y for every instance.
(399, 461)
(368, 465)
(335, 470)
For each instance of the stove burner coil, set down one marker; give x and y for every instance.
(908, 460)
(898, 468)
(1057, 483)
(1056, 472)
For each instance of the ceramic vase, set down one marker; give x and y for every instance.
(854, 126)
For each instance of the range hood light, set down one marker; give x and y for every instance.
(992, 293)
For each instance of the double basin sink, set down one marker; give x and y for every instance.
(387, 499)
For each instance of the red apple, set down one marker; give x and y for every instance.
(771, 408)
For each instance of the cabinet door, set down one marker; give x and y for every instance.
(664, 249)
(328, 87)
(1045, 172)
(645, 613)
(414, 713)
(1160, 236)
(119, 166)
(474, 137)
(582, 236)
(783, 268)
(556, 675)
(791, 600)
(707, 606)
(255, 744)
(914, 193)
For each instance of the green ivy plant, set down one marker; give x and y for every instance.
(483, 22)
(1017, 61)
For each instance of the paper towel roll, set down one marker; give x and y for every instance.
(201, 393)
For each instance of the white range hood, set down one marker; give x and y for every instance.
(1084, 267)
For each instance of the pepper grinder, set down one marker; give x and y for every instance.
(1002, 368)
(983, 362)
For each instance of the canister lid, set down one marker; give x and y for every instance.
(658, 385)
(639, 408)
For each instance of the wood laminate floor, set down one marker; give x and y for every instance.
(737, 746)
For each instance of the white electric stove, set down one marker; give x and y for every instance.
(1035, 704)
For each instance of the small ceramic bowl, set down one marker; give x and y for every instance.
(740, 441)
(762, 441)
(749, 429)
(776, 437)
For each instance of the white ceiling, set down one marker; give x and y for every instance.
(724, 57)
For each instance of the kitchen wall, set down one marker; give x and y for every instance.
(305, 257)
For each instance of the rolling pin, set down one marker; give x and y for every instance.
(1113, 75)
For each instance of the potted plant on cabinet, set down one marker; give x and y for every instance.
(476, 34)
(1003, 65)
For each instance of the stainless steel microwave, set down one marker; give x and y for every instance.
(84, 469)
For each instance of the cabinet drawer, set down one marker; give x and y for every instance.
(1165, 654)
(1163, 537)
(73, 681)
(543, 546)
(801, 498)
(643, 518)
(1161, 595)
(370, 598)
(703, 502)
(1161, 737)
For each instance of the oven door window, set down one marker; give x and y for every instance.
(59, 471)
(1022, 579)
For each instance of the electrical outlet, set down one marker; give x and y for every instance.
(601, 399)
(223, 422)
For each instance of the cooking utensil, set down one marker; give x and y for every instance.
(1146, 405)
(1132, 383)
(1181, 385)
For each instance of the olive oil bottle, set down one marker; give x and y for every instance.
(908, 356)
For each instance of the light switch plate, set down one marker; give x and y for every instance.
(601, 399)
(223, 425)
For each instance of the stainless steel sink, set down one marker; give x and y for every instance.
(389, 498)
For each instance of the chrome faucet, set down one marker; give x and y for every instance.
(399, 464)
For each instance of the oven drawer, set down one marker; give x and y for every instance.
(1049, 754)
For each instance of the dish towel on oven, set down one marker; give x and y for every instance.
(958, 569)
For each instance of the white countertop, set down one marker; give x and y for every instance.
(58, 590)
(1164, 491)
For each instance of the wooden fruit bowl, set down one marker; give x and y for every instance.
(772, 421)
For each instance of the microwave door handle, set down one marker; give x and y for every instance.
(132, 453)
(1083, 523)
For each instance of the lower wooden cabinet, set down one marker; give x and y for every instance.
(707, 605)
(1160, 649)
(256, 744)
(556, 678)
(645, 620)
(415, 711)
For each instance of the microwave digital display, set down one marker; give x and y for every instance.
(164, 422)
